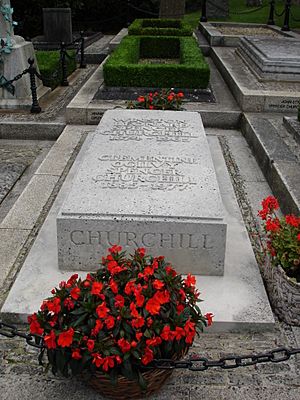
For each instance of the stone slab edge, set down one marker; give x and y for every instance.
(272, 165)
(250, 100)
(292, 125)
(53, 154)
(30, 130)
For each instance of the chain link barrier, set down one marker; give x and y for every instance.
(236, 13)
(193, 363)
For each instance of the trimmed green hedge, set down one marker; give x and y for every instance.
(160, 27)
(50, 69)
(123, 69)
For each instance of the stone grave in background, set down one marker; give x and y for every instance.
(217, 9)
(147, 180)
(57, 23)
(262, 55)
(14, 61)
(171, 8)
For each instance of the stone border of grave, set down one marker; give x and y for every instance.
(216, 38)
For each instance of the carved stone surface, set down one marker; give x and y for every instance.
(57, 25)
(217, 9)
(171, 8)
(146, 180)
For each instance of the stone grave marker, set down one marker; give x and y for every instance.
(13, 61)
(171, 8)
(275, 59)
(217, 9)
(57, 24)
(146, 180)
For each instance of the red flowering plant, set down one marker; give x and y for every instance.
(166, 99)
(120, 318)
(283, 237)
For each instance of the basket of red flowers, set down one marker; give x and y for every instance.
(110, 327)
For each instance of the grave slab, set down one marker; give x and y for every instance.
(275, 59)
(147, 180)
(238, 299)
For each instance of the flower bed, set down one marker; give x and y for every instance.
(160, 27)
(123, 68)
(116, 321)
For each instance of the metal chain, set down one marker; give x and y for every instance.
(279, 14)
(19, 76)
(11, 331)
(193, 363)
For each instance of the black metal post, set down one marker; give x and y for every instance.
(203, 11)
(271, 15)
(286, 26)
(35, 108)
(64, 78)
(82, 63)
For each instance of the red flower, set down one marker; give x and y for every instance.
(35, 326)
(124, 345)
(272, 225)
(292, 220)
(65, 338)
(209, 317)
(153, 306)
(102, 310)
(115, 249)
(170, 97)
(97, 359)
(54, 305)
(97, 328)
(69, 304)
(72, 280)
(298, 236)
(129, 287)
(156, 341)
(179, 308)
(90, 344)
(179, 333)
(108, 362)
(167, 334)
(141, 99)
(270, 203)
(75, 293)
(110, 322)
(97, 288)
(119, 301)
(50, 340)
(138, 322)
(114, 286)
(147, 356)
(141, 251)
(139, 299)
(133, 311)
(190, 281)
(76, 354)
(157, 284)
(171, 271)
(162, 296)
(138, 336)
(180, 95)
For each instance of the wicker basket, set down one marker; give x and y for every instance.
(127, 389)
(284, 294)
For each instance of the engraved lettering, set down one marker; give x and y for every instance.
(113, 237)
(94, 237)
(76, 237)
(206, 239)
(130, 239)
(146, 239)
(167, 239)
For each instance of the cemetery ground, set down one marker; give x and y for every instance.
(37, 153)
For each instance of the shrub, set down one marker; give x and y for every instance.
(50, 68)
(123, 69)
(157, 27)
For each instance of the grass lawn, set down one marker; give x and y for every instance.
(260, 17)
(49, 65)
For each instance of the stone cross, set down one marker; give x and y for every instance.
(171, 8)
(5, 19)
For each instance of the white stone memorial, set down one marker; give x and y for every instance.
(14, 60)
(146, 180)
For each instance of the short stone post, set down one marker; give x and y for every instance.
(203, 11)
(286, 23)
(35, 108)
(64, 78)
(271, 14)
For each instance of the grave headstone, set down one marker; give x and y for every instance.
(147, 180)
(217, 9)
(171, 8)
(57, 24)
(14, 61)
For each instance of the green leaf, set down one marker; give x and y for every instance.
(79, 320)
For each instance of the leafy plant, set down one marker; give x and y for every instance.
(118, 319)
(283, 237)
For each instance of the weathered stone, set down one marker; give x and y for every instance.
(171, 8)
(217, 9)
(272, 59)
(57, 25)
(147, 180)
